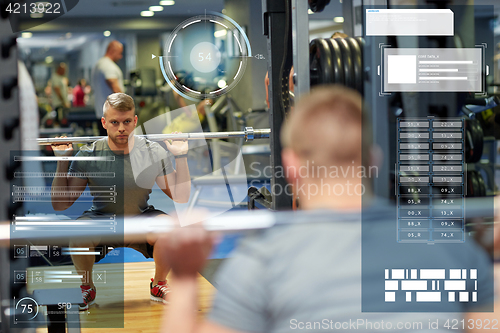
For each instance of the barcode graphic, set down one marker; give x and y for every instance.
(431, 285)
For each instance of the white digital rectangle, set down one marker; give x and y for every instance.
(398, 274)
(451, 296)
(433, 69)
(454, 285)
(390, 296)
(442, 70)
(454, 78)
(438, 274)
(473, 274)
(428, 296)
(402, 69)
(463, 296)
(38, 248)
(446, 62)
(474, 296)
(464, 274)
(386, 274)
(408, 296)
(413, 285)
(409, 22)
(413, 274)
(455, 274)
(391, 285)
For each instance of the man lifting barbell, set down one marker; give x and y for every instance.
(307, 275)
(144, 163)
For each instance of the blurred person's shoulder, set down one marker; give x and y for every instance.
(303, 229)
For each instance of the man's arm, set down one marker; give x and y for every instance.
(186, 251)
(177, 184)
(114, 85)
(65, 190)
(181, 315)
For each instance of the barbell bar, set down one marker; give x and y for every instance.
(137, 228)
(249, 134)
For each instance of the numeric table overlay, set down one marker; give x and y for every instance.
(430, 180)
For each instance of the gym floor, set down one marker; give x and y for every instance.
(141, 315)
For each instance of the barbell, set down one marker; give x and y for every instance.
(249, 134)
(137, 228)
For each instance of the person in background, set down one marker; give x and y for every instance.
(79, 93)
(60, 100)
(107, 77)
(338, 34)
(48, 91)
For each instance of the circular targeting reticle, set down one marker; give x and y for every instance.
(205, 56)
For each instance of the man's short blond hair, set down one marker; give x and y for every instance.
(119, 102)
(326, 127)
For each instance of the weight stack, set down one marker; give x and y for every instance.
(337, 61)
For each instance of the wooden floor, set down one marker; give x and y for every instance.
(140, 314)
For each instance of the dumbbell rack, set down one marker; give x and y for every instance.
(430, 177)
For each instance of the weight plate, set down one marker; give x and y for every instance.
(475, 185)
(357, 63)
(338, 67)
(469, 142)
(321, 62)
(318, 5)
(361, 42)
(347, 59)
(470, 186)
(482, 184)
(477, 136)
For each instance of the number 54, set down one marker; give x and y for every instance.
(200, 57)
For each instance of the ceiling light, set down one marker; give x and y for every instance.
(147, 13)
(156, 8)
(310, 12)
(107, 33)
(220, 33)
(49, 59)
(221, 83)
(167, 2)
(338, 19)
(26, 35)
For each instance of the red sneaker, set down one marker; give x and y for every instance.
(88, 297)
(159, 292)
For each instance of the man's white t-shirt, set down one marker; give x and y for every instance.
(104, 69)
(58, 81)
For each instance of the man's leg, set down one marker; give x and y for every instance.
(159, 286)
(161, 269)
(84, 264)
